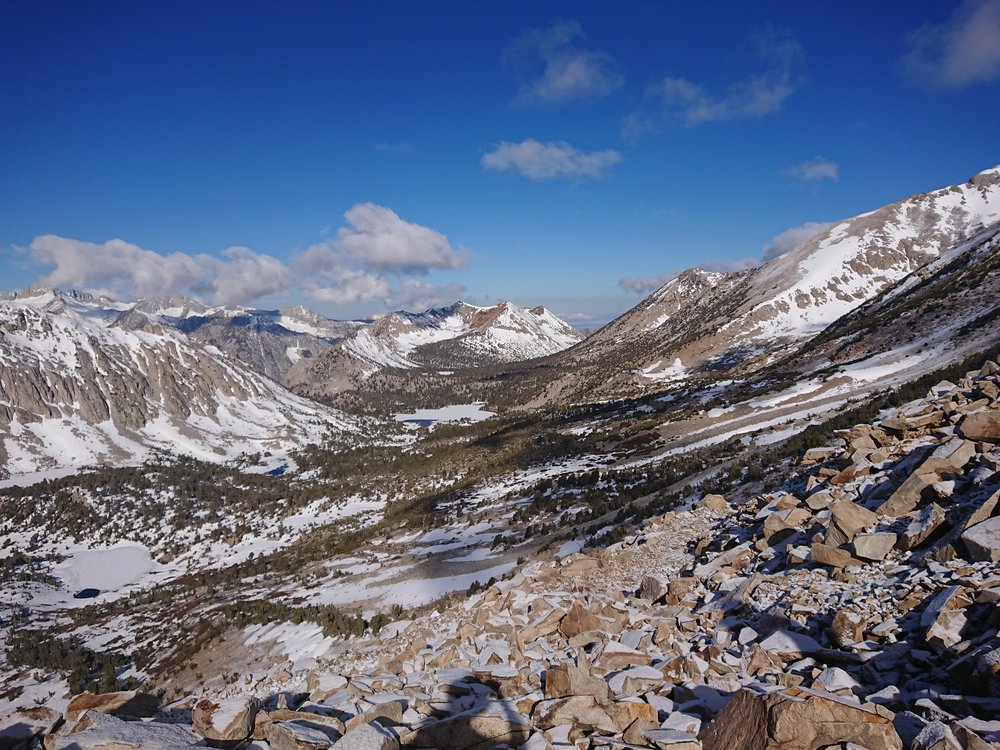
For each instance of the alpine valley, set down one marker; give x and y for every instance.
(759, 510)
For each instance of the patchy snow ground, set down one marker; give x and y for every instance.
(675, 371)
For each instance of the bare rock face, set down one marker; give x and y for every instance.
(569, 679)
(579, 620)
(848, 627)
(847, 519)
(97, 731)
(300, 734)
(911, 492)
(796, 719)
(478, 729)
(366, 737)
(129, 703)
(983, 425)
(983, 540)
(716, 503)
(874, 546)
(590, 712)
(923, 525)
(826, 554)
(230, 720)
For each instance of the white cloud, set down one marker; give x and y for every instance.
(417, 295)
(547, 161)
(730, 266)
(116, 265)
(377, 238)
(813, 170)
(963, 51)
(645, 284)
(348, 286)
(245, 275)
(553, 69)
(793, 237)
(780, 75)
(347, 269)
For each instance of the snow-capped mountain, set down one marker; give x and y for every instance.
(83, 382)
(945, 310)
(461, 335)
(268, 341)
(736, 322)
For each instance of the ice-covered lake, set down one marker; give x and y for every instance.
(455, 413)
(104, 569)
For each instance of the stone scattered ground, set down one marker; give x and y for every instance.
(856, 607)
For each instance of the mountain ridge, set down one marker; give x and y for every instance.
(738, 322)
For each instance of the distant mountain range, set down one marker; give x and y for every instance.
(458, 336)
(90, 379)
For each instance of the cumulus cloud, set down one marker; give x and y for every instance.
(553, 68)
(347, 269)
(781, 62)
(115, 265)
(418, 295)
(793, 237)
(245, 275)
(813, 170)
(547, 161)
(961, 52)
(378, 238)
(730, 266)
(342, 286)
(645, 284)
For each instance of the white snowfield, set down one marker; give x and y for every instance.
(834, 272)
(191, 400)
(104, 569)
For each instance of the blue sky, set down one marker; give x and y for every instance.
(363, 156)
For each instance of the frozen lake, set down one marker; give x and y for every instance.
(454, 413)
(104, 569)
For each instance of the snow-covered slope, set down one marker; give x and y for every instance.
(78, 387)
(713, 322)
(814, 284)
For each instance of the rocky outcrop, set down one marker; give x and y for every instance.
(797, 719)
(127, 704)
(229, 720)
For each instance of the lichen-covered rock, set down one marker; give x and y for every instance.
(983, 540)
(130, 703)
(796, 719)
(229, 720)
(97, 731)
(983, 425)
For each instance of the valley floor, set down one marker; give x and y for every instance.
(632, 594)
